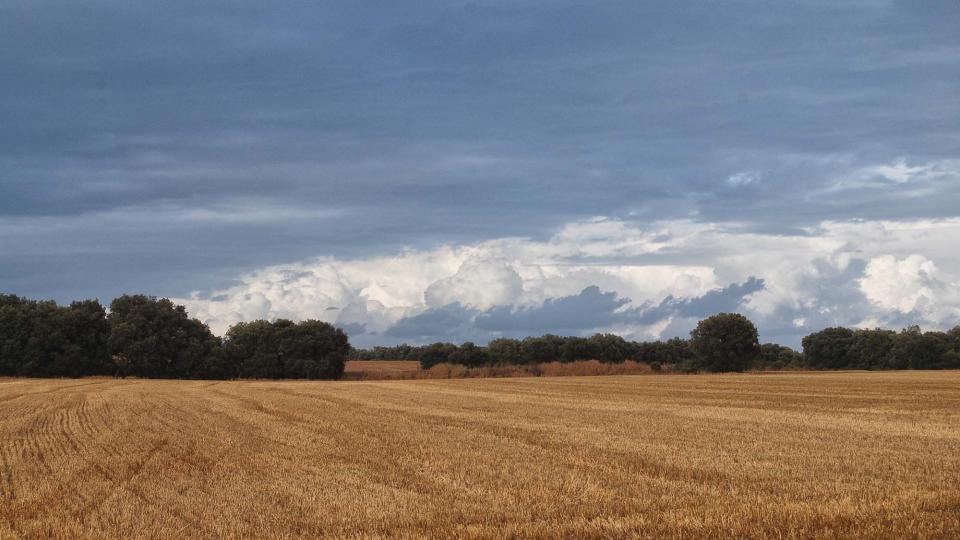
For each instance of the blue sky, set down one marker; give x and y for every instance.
(462, 170)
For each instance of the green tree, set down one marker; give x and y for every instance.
(84, 333)
(469, 354)
(870, 349)
(155, 338)
(505, 351)
(725, 342)
(828, 348)
(545, 348)
(914, 349)
(610, 348)
(42, 339)
(578, 348)
(436, 353)
(284, 349)
(774, 356)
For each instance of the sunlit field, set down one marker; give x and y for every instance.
(800, 455)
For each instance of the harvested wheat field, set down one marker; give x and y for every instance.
(781, 455)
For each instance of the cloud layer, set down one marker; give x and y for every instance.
(794, 160)
(641, 281)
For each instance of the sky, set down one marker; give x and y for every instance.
(426, 171)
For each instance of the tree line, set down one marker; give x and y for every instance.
(144, 336)
(911, 348)
(723, 342)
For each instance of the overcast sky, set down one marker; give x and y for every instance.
(422, 171)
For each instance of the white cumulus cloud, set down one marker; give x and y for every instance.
(884, 272)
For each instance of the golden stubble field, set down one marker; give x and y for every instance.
(775, 455)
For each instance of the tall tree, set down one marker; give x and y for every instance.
(914, 349)
(870, 349)
(42, 339)
(725, 342)
(828, 348)
(284, 349)
(155, 338)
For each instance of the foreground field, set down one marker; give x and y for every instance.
(788, 455)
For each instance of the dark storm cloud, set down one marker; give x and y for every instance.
(577, 314)
(166, 147)
(589, 309)
(727, 299)
(443, 323)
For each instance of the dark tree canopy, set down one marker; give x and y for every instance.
(869, 349)
(610, 348)
(505, 351)
(154, 338)
(545, 348)
(469, 354)
(914, 349)
(828, 348)
(42, 339)
(778, 357)
(149, 337)
(725, 342)
(284, 349)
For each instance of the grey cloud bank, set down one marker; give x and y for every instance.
(175, 147)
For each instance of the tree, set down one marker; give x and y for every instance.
(674, 351)
(42, 339)
(953, 335)
(505, 351)
(436, 353)
(284, 349)
(828, 348)
(914, 349)
(774, 356)
(470, 355)
(545, 348)
(610, 348)
(725, 342)
(578, 348)
(951, 358)
(870, 349)
(155, 338)
(84, 335)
